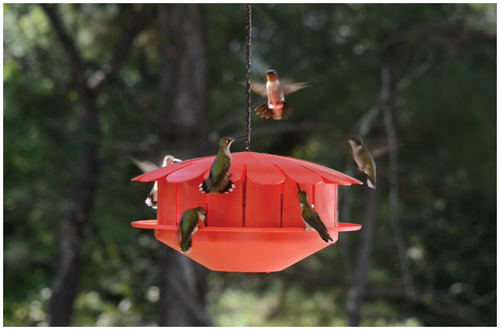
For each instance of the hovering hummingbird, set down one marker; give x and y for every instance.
(147, 166)
(218, 181)
(311, 218)
(188, 226)
(364, 160)
(275, 92)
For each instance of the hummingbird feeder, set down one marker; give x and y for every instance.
(257, 227)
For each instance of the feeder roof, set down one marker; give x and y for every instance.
(261, 168)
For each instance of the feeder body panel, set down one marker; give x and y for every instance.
(262, 205)
(167, 203)
(292, 213)
(189, 197)
(236, 171)
(226, 210)
(325, 203)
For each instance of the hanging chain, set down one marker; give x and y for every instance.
(249, 54)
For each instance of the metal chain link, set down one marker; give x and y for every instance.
(248, 55)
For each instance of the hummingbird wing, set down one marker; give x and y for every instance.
(222, 183)
(315, 222)
(369, 167)
(187, 225)
(145, 166)
(290, 87)
(257, 88)
(226, 186)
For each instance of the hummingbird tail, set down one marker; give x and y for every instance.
(287, 111)
(227, 188)
(152, 199)
(325, 236)
(186, 244)
(371, 183)
(205, 186)
(186, 249)
(263, 111)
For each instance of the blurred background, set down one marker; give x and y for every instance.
(86, 86)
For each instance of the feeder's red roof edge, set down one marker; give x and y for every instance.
(275, 168)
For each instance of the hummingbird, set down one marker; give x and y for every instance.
(146, 166)
(364, 160)
(188, 226)
(218, 181)
(275, 92)
(311, 217)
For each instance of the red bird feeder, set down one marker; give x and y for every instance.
(256, 228)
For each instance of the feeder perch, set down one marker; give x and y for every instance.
(258, 226)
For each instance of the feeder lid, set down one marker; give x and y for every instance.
(264, 169)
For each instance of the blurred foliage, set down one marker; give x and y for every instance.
(445, 121)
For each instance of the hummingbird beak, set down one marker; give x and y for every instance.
(177, 160)
(298, 186)
(239, 137)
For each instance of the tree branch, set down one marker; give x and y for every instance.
(319, 279)
(65, 287)
(122, 49)
(435, 305)
(424, 30)
(385, 104)
(66, 41)
(441, 307)
(229, 120)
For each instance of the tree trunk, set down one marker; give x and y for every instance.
(65, 287)
(64, 290)
(182, 107)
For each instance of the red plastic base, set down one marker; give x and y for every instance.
(247, 250)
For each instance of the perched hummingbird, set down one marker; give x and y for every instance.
(188, 226)
(218, 181)
(364, 160)
(147, 166)
(311, 218)
(275, 93)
